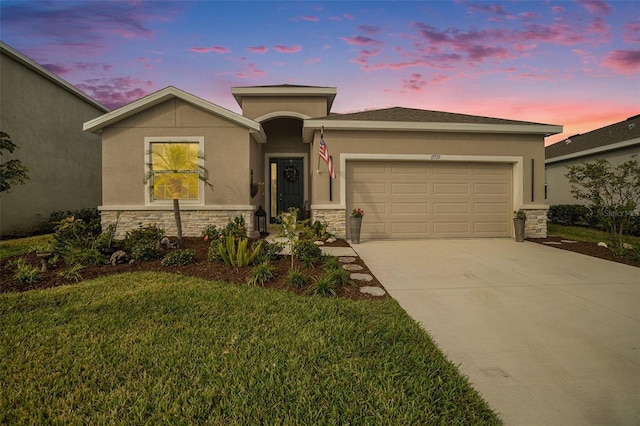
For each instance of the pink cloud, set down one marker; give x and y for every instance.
(215, 49)
(258, 49)
(287, 49)
(361, 41)
(415, 83)
(596, 7)
(251, 72)
(631, 32)
(624, 61)
(57, 69)
(117, 91)
(310, 18)
(369, 29)
(312, 61)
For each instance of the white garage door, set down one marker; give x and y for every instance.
(406, 199)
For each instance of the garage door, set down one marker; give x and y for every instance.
(408, 199)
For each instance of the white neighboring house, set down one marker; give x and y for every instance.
(617, 143)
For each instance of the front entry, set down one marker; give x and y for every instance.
(287, 185)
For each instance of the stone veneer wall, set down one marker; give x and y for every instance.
(536, 223)
(333, 219)
(193, 221)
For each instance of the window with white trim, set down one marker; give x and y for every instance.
(173, 169)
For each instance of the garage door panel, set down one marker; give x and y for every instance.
(451, 188)
(431, 199)
(491, 188)
(409, 188)
(409, 208)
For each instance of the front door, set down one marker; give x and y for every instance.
(287, 185)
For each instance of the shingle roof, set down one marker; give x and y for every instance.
(420, 115)
(608, 135)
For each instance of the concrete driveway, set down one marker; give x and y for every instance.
(549, 337)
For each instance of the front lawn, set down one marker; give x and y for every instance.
(20, 246)
(590, 235)
(159, 348)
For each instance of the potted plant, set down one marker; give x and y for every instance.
(355, 225)
(519, 218)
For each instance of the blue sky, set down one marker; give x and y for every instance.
(575, 63)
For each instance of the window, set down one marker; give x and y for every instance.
(174, 168)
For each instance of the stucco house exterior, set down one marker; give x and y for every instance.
(416, 173)
(43, 115)
(617, 143)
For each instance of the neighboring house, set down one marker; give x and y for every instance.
(617, 143)
(43, 115)
(416, 173)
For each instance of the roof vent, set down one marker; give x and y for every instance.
(567, 141)
(632, 125)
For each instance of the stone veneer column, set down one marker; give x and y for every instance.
(536, 222)
(334, 220)
(193, 221)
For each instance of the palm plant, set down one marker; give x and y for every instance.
(174, 172)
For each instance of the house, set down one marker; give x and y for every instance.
(43, 115)
(617, 143)
(416, 173)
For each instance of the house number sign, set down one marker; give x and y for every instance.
(436, 156)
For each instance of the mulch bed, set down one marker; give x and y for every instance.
(202, 268)
(590, 249)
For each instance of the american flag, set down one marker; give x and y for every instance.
(324, 154)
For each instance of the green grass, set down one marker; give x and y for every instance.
(22, 246)
(166, 349)
(590, 235)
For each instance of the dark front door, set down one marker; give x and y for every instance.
(287, 185)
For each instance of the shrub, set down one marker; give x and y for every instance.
(142, 235)
(213, 253)
(25, 273)
(322, 286)
(91, 217)
(211, 233)
(146, 251)
(306, 249)
(569, 214)
(270, 251)
(72, 273)
(237, 252)
(73, 233)
(297, 278)
(261, 273)
(331, 262)
(179, 258)
(86, 257)
(235, 228)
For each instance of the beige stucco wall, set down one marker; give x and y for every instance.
(429, 143)
(226, 148)
(558, 187)
(257, 106)
(45, 121)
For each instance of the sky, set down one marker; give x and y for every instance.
(571, 63)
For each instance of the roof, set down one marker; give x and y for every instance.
(286, 90)
(39, 69)
(411, 119)
(615, 136)
(165, 94)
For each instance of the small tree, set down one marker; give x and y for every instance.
(288, 222)
(12, 172)
(174, 168)
(613, 192)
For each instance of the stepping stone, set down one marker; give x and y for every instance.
(374, 291)
(361, 277)
(347, 259)
(552, 243)
(569, 241)
(350, 267)
(318, 243)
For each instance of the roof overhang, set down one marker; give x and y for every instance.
(409, 126)
(598, 150)
(97, 124)
(39, 69)
(285, 91)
